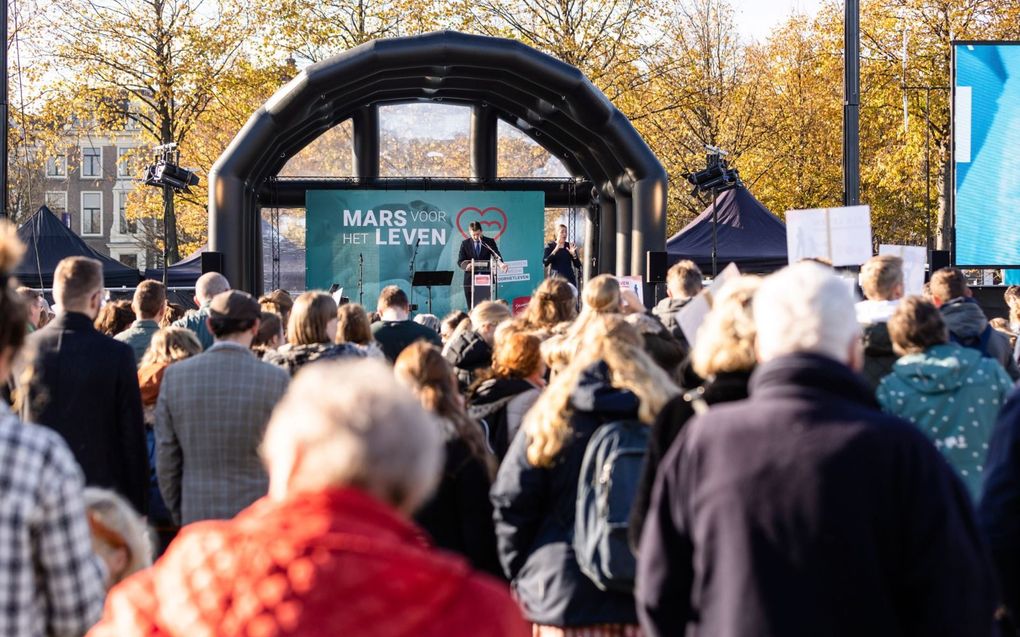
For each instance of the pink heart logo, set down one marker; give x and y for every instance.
(487, 224)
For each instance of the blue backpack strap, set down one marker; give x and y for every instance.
(981, 344)
(986, 336)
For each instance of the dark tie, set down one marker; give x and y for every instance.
(478, 249)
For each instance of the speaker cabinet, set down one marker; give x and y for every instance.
(656, 264)
(939, 260)
(212, 262)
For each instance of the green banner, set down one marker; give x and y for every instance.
(373, 235)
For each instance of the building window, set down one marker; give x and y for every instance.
(91, 162)
(124, 225)
(130, 260)
(131, 120)
(125, 163)
(92, 213)
(56, 166)
(56, 201)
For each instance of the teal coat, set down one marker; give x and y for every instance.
(954, 395)
(196, 323)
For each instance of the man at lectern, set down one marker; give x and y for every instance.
(477, 248)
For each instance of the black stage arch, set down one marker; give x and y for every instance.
(615, 175)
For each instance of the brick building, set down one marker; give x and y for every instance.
(87, 188)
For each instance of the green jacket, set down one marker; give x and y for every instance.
(138, 336)
(954, 395)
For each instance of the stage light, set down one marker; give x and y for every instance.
(716, 177)
(164, 171)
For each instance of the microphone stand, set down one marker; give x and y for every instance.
(410, 268)
(361, 279)
(493, 260)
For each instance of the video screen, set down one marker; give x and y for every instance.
(986, 132)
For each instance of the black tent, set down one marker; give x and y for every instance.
(182, 274)
(185, 272)
(48, 241)
(748, 235)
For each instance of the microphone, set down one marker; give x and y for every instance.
(486, 246)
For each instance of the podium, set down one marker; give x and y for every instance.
(481, 283)
(430, 279)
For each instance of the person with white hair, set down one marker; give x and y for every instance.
(206, 288)
(331, 549)
(119, 535)
(804, 510)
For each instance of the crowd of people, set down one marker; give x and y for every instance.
(798, 464)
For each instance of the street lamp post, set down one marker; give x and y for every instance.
(852, 103)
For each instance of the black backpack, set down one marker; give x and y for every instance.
(610, 474)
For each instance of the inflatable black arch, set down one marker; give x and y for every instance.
(617, 176)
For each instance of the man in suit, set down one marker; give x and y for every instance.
(477, 248)
(83, 385)
(210, 416)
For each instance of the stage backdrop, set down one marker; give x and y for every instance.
(382, 227)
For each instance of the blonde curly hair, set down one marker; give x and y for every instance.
(608, 338)
(725, 340)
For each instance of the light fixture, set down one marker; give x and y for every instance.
(165, 172)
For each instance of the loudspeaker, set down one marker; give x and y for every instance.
(939, 260)
(212, 262)
(656, 264)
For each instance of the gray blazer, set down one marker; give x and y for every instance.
(210, 417)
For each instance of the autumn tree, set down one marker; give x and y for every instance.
(158, 62)
(315, 31)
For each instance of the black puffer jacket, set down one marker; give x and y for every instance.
(458, 516)
(665, 310)
(879, 356)
(534, 512)
(468, 353)
(294, 357)
(488, 401)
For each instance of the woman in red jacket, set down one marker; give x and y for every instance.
(331, 550)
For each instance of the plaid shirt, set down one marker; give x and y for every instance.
(53, 583)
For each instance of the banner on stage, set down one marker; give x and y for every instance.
(841, 236)
(517, 271)
(372, 236)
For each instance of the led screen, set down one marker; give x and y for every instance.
(986, 135)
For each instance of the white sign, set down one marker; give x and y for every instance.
(692, 315)
(634, 284)
(515, 272)
(914, 261)
(841, 236)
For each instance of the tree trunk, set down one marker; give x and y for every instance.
(944, 229)
(173, 254)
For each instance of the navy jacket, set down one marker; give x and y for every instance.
(467, 252)
(534, 512)
(85, 386)
(805, 511)
(723, 388)
(999, 511)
